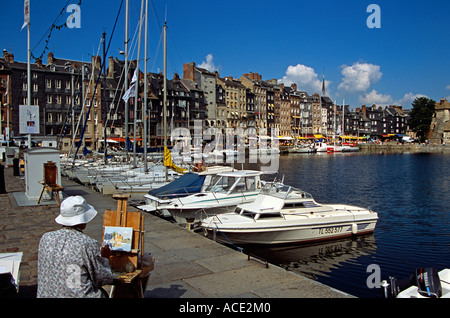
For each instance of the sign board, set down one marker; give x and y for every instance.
(28, 119)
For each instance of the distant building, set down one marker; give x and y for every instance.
(440, 122)
(206, 81)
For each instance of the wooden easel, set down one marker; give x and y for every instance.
(50, 182)
(120, 261)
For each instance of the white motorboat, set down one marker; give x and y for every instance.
(303, 149)
(423, 283)
(225, 192)
(321, 146)
(190, 183)
(282, 214)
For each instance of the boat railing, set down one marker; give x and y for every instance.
(214, 195)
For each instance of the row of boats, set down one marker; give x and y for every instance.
(229, 205)
(323, 147)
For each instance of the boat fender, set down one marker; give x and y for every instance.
(354, 228)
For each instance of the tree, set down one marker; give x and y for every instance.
(421, 116)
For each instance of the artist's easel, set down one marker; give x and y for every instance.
(126, 266)
(50, 182)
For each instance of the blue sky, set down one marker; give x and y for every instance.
(292, 41)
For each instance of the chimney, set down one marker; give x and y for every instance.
(294, 86)
(96, 62)
(9, 57)
(50, 58)
(364, 110)
(39, 62)
(111, 67)
(281, 87)
(188, 71)
(176, 77)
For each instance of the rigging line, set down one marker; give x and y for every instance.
(156, 54)
(120, 79)
(50, 29)
(98, 79)
(176, 48)
(84, 101)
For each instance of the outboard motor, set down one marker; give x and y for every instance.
(426, 279)
(428, 282)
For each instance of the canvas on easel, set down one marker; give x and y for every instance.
(118, 238)
(120, 260)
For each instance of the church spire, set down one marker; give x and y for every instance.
(323, 86)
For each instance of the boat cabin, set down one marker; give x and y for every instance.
(236, 182)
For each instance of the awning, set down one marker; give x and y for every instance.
(285, 138)
(318, 136)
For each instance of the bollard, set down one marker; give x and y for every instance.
(16, 167)
(2, 179)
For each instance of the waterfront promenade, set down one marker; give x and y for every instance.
(187, 265)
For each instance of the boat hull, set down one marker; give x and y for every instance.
(289, 234)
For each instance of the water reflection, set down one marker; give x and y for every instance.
(319, 259)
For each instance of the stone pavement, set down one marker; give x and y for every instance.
(187, 265)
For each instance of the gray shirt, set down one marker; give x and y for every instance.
(70, 266)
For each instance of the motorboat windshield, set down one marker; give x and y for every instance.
(284, 192)
(230, 183)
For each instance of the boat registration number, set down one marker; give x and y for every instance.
(330, 230)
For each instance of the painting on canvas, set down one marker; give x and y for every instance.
(118, 238)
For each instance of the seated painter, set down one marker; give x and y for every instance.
(70, 263)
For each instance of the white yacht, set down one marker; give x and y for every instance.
(282, 214)
(225, 191)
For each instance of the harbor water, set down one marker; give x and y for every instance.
(410, 192)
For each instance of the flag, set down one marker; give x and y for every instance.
(134, 79)
(26, 13)
(131, 92)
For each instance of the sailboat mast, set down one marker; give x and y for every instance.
(29, 67)
(126, 78)
(343, 119)
(144, 106)
(165, 91)
(136, 97)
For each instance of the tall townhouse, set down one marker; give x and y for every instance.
(253, 82)
(207, 82)
(316, 114)
(288, 126)
(235, 100)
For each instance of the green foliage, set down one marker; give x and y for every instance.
(421, 116)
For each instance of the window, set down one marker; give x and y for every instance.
(48, 83)
(58, 83)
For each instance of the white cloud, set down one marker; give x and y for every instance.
(448, 87)
(305, 77)
(375, 98)
(209, 64)
(359, 77)
(408, 98)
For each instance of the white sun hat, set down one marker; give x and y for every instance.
(75, 210)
